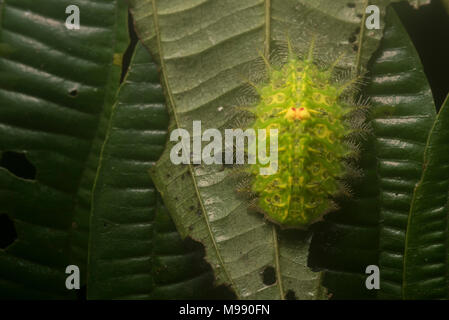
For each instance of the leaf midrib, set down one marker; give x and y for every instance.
(92, 147)
(267, 48)
(175, 116)
(358, 62)
(413, 203)
(171, 99)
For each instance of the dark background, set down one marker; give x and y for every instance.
(429, 29)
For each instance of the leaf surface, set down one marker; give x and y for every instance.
(425, 274)
(204, 48)
(135, 251)
(54, 85)
(370, 229)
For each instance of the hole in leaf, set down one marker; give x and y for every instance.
(269, 276)
(8, 232)
(130, 50)
(352, 38)
(73, 93)
(424, 26)
(18, 164)
(291, 295)
(208, 289)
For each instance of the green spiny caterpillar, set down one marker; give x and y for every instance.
(317, 123)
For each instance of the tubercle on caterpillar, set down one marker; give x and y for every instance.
(318, 128)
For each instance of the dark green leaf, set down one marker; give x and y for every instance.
(54, 85)
(135, 251)
(370, 229)
(426, 253)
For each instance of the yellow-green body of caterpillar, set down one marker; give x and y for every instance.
(303, 103)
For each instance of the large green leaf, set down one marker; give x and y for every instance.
(135, 251)
(426, 253)
(204, 48)
(417, 3)
(370, 229)
(54, 85)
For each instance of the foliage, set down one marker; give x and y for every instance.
(76, 145)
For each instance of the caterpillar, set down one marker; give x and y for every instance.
(317, 126)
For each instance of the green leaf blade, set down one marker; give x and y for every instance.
(426, 248)
(135, 251)
(50, 111)
(202, 49)
(373, 225)
(398, 81)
